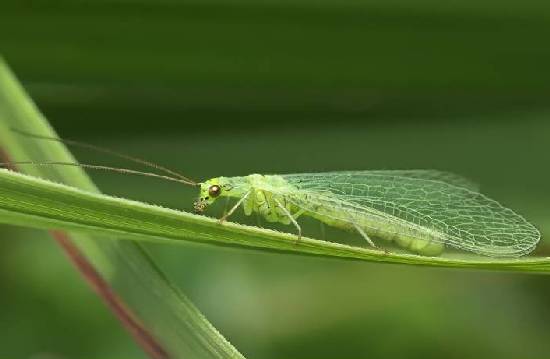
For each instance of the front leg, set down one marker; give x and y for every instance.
(234, 208)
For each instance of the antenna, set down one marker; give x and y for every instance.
(99, 167)
(107, 151)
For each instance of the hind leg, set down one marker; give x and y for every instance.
(323, 231)
(364, 235)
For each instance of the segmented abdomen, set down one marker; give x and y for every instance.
(418, 240)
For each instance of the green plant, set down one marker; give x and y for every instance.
(161, 318)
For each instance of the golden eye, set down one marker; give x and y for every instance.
(214, 191)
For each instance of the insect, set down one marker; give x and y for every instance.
(422, 211)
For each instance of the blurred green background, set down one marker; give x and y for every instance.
(234, 87)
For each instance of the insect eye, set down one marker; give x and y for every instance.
(214, 191)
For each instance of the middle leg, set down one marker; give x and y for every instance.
(289, 215)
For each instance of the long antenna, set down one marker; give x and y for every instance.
(108, 151)
(98, 167)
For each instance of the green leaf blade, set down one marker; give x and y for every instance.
(160, 308)
(57, 206)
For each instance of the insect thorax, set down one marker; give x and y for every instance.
(266, 196)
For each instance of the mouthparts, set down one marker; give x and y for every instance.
(199, 206)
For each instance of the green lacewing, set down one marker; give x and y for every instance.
(422, 211)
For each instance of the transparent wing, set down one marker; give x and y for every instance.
(428, 199)
(434, 175)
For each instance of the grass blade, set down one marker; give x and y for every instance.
(39, 203)
(161, 318)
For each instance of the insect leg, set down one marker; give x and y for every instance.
(364, 235)
(290, 217)
(226, 205)
(234, 208)
(258, 220)
(299, 213)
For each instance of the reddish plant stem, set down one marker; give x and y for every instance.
(102, 288)
(110, 298)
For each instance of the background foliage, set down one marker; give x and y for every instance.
(232, 88)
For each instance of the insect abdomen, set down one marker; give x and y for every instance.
(427, 247)
(414, 240)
